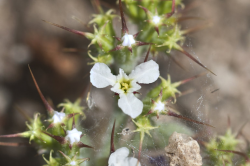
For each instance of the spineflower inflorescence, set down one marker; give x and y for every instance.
(126, 86)
(114, 64)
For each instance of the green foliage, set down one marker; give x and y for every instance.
(222, 142)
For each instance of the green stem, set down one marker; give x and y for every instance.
(140, 148)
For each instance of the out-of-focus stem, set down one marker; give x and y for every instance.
(140, 148)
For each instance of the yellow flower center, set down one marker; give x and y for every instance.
(125, 86)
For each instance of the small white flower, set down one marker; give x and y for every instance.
(145, 73)
(72, 163)
(156, 19)
(58, 117)
(128, 40)
(159, 106)
(73, 136)
(120, 158)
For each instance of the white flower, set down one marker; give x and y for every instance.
(73, 136)
(58, 117)
(128, 40)
(156, 19)
(120, 158)
(159, 106)
(72, 163)
(145, 73)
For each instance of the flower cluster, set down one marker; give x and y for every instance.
(124, 57)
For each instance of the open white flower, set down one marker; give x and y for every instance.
(58, 117)
(145, 73)
(120, 158)
(73, 136)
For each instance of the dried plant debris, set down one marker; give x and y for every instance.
(183, 151)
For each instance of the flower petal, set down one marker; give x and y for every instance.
(146, 72)
(130, 105)
(122, 75)
(118, 156)
(122, 153)
(101, 76)
(131, 161)
(117, 88)
(134, 87)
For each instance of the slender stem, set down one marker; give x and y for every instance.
(13, 144)
(11, 135)
(45, 102)
(191, 78)
(140, 148)
(196, 28)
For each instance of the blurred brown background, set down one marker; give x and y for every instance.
(25, 39)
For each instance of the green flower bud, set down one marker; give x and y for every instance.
(224, 142)
(73, 161)
(52, 161)
(168, 89)
(229, 140)
(73, 108)
(35, 133)
(101, 39)
(143, 126)
(171, 39)
(101, 19)
(101, 58)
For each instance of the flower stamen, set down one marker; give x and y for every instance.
(125, 86)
